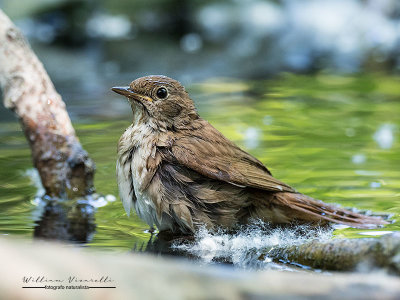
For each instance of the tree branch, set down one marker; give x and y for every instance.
(65, 169)
(343, 254)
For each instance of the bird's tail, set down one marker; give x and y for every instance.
(308, 209)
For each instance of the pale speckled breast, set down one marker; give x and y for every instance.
(131, 170)
(134, 149)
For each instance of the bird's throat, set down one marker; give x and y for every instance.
(140, 116)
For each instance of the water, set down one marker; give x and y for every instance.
(335, 138)
(250, 245)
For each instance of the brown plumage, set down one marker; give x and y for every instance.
(178, 172)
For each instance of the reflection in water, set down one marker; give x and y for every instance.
(162, 244)
(66, 221)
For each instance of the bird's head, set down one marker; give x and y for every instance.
(160, 100)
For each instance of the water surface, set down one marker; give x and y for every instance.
(335, 138)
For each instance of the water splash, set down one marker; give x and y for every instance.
(96, 200)
(34, 177)
(245, 247)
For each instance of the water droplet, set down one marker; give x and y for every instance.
(252, 135)
(384, 136)
(375, 184)
(358, 158)
(267, 259)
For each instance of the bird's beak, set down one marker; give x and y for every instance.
(127, 92)
(122, 90)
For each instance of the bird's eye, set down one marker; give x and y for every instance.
(162, 93)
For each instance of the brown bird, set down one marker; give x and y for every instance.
(178, 172)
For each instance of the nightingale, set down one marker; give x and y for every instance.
(179, 173)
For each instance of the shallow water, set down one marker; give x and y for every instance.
(335, 138)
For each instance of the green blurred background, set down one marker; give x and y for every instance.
(311, 88)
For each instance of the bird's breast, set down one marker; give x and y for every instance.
(134, 149)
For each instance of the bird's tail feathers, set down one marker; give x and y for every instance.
(308, 209)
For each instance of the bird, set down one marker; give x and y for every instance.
(179, 173)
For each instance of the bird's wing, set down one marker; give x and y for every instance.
(205, 150)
